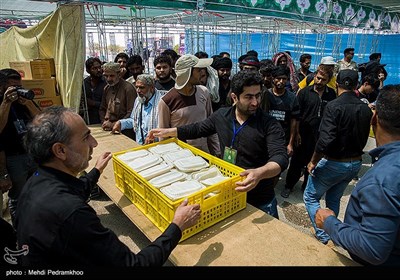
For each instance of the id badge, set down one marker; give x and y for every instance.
(20, 126)
(230, 155)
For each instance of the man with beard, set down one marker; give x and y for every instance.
(163, 70)
(93, 88)
(305, 63)
(144, 115)
(55, 224)
(118, 98)
(312, 101)
(135, 67)
(122, 59)
(224, 67)
(189, 102)
(248, 137)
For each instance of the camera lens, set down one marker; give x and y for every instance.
(26, 93)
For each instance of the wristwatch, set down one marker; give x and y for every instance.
(4, 177)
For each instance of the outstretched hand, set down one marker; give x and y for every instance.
(160, 133)
(186, 215)
(250, 182)
(102, 161)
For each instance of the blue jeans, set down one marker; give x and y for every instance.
(330, 178)
(270, 208)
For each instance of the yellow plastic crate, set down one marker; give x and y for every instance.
(224, 201)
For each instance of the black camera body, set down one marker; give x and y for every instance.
(25, 93)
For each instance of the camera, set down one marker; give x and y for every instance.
(25, 93)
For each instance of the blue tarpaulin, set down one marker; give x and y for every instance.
(388, 45)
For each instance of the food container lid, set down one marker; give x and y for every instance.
(142, 163)
(206, 173)
(156, 170)
(129, 156)
(161, 149)
(190, 164)
(167, 178)
(181, 189)
(213, 180)
(172, 156)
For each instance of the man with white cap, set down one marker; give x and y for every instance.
(118, 98)
(327, 62)
(189, 102)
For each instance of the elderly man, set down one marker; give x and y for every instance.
(56, 224)
(189, 102)
(249, 137)
(144, 115)
(343, 133)
(118, 98)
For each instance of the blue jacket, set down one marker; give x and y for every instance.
(371, 228)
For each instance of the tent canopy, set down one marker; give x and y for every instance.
(381, 15)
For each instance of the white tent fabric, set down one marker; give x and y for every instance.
(59, 36)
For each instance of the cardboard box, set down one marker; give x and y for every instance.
(23, 68)
(48, 102)
(41, 87)
(43, 68)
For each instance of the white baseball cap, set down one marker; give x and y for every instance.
(328, 60)
(184, 65)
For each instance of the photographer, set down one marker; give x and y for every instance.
(16, 111)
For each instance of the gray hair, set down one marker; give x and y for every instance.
(146, 79)
(46, 129)
(112, 66)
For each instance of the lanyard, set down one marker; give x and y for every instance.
(140, 122)
(236, 131)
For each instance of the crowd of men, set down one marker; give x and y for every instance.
(268, 117)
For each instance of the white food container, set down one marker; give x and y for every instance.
(206, 173)
(191, 164)
(142, 163)
(173, 156)
(213, 180)
(167, 178)
(129, 156)
(165, 148)
(181, 189)
(156, 170)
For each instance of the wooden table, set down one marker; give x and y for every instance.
(247, 238)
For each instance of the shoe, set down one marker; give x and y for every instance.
(330, 244)
(285, 193)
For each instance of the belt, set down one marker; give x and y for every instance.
(343, 159)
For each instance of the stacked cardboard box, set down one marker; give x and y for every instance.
(39, 75)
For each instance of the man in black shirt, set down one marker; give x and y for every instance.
(163, 70)
(344, 131)
(15, 114)
(312, 101)
(249, 137)
(54, 221)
